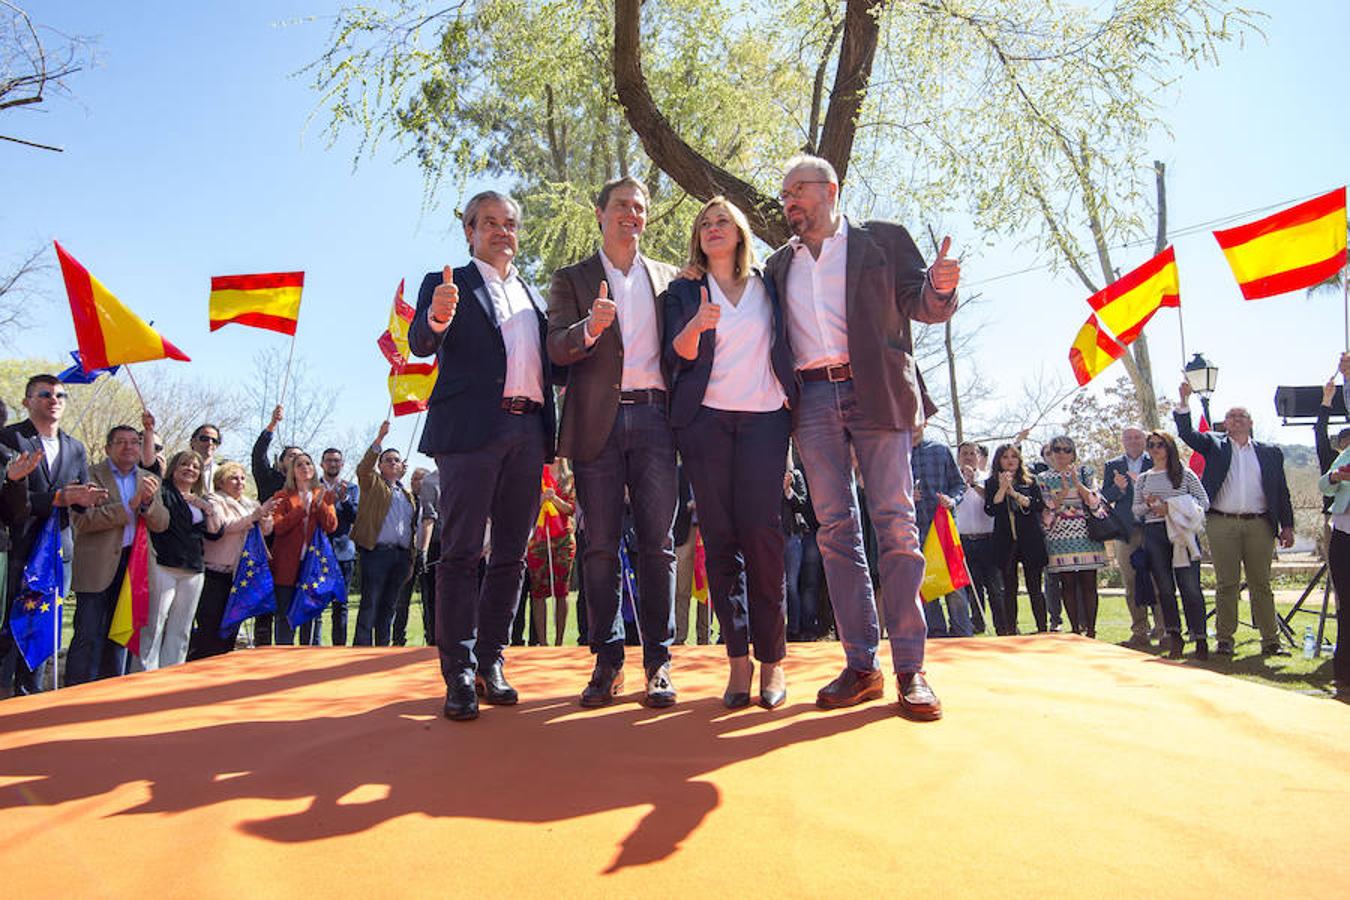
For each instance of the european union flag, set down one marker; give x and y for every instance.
(78, 374)
(252, 593)
(35, 620)
(320, 582)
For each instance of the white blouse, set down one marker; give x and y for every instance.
(742, 377)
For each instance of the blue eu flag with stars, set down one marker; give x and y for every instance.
(78, 374)
(35, 620)
(320, 582)
(252, 593)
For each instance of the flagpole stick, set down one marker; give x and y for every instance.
(1345, 293)
(56, 647)
(1181, 325)
(412, 438)
(139, 395)
(286, 378)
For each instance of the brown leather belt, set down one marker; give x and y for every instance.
(832, 374)
(653, 396)
(519, 406)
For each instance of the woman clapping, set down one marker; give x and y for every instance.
(176, 577)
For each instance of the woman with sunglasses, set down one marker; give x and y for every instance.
(1074, 556)
(1167, 479)
(1012, 497)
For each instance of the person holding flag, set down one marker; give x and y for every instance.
(302, 506)
(104, 533)
(551, 551)
(386, 523)
(14, 469)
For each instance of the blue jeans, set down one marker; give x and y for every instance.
(828, 423)
(499, 480)
(958, 608)
(986, 580)
(92, 655)
(1170, 580)
(384, 571)
(639, 456)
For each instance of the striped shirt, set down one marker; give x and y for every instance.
(1158, 484)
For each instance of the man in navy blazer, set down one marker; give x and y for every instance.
(1249, 507)
(489, 427)
(851, 291)
(60, 481)
(1118, 490)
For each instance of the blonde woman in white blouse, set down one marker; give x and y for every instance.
(733, 386)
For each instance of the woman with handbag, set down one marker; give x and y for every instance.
(1155, 488)
(1013, 499)
(1074, 555)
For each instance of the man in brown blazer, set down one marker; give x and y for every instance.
(103, 536)
(851, 290)
(604, 325)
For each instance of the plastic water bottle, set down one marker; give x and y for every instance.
(1309, 643)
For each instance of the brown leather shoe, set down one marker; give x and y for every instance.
(917, 700)
(851, 688)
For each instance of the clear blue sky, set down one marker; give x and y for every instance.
(187, 156)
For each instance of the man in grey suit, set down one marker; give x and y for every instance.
(104, 534)
(850, 291)
(605, 326)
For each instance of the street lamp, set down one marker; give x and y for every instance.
(1202, 376)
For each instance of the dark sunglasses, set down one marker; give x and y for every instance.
(208, 439)
(47, 395)
(1061, 449)
(1155, 445)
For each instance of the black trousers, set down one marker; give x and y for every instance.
(735, 462)
(1338, 561)
(1031, 574)
(206, 640)
(91, 654)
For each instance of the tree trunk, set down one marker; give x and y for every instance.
(951, 379)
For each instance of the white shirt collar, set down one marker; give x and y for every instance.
(490, 273)
(608, 263)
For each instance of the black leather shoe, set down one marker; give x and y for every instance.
(492, 686)
(917, 700)
(737, 694)
(660, 689)
(461, 703)
(606, 682)
(772, 686)
(851, 688)
(1275, 649)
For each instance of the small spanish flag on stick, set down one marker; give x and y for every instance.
(133, 600)
(394, 342)
(108, 333)
(1092, 351)
(1126, 305)
(410, 387)
(1290, 250)
(944, 560)
(270, 301)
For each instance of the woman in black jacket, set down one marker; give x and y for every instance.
(726, 342)
(177, 576)
(1013, 498)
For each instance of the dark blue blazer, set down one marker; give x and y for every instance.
(1121, 501)
(1218, 454)
(465, 405)
(72, 467)
(1029, 543)
(690, 377)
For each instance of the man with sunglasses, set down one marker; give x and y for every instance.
(1249, 509)
(60, 482)
(206, 440)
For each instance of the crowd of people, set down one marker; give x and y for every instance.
(752, 433)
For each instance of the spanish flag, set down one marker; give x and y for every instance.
(1291, 250)
(700, 589)
(270, 301)
(410, 387)
(133, 600)
(394, 342)
(1092, 351)
(1126, 305)
(108, 333)
(944, 560)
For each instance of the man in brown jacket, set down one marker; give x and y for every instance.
(851, 290)
(604, 325)
(103, 537)
(385, 524)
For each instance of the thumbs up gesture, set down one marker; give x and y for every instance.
(443, 302)
(603, 311)
(944, 273)
(708, 312)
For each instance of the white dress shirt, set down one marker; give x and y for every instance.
(635, 301)
(742, 378)
(1241, 491)
(817, 317)
(517, 318)
(970, 515)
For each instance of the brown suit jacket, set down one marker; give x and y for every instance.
(98, 531)
(885, 287)
(592, 399)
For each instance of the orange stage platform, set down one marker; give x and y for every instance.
(1064, 767)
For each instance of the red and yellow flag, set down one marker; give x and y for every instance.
(1092, 351)
(410, 387)
(108, 333)
(394, 342)
(700, 590)
(944, 560)
(133, 601)
(1126, 305)
(1291, 250)
(270, 301)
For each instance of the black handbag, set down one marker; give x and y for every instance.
(1103, 525)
